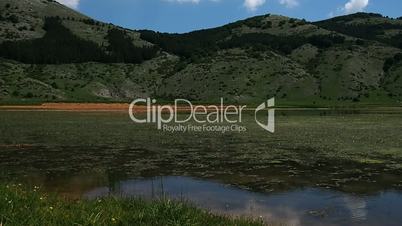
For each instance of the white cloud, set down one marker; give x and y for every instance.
(70, 3)
(253, 5)
(354, 6)
(289, 3)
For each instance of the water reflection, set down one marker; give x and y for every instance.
(308, 206)
(357, 207)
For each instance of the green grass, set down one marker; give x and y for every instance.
(18, 206)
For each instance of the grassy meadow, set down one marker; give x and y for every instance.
(21, 206)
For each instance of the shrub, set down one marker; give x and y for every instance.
(13, 19)
(29, 95)
(325, 41)
(392, 61)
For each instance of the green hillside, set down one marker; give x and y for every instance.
(50, 53)
(368, 26)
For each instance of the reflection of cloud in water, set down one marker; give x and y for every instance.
(256, 209)
(357, 207)
(217, 198)
(247, 206)
(299, 207)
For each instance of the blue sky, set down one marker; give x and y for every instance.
(187, 15)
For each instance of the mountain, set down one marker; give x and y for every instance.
(52, 53)
(368, 26)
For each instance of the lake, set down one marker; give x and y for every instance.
(320, 167)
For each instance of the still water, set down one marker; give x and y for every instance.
(319, 168)
(304, 206)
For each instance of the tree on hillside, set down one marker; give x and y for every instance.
(122, 49)
(60, 45)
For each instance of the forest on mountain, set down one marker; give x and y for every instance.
(60, 46)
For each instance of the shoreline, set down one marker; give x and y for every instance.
(71, 107)
(123, 107)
